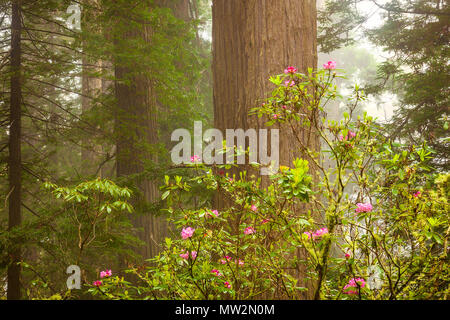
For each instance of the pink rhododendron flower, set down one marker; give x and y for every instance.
(240, 262)
(363, 207)
(227, 285)
(225, 260)
(249, 230)
(187, 233)
(106, 273)
(284, 107)
(317, 233)
(354, 283)
(347, 255)
(417, 194)
(195, 159)
(216, 272)
(185, 255)
(97, 283)
(350, 135)
(193, 254)
(289, 83)
(276, 116)
(213, 212)
(290, 70)
(265, 221)
(330, 65)
(254, 208)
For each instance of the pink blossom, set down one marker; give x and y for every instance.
(187, 233)
(185, 255)
(225, 260)
(289, 83)
(290, 70)
(213, 212)
(254, 208)
(249, 230)
(193, 254)
(227, 285)
(106, 273)
(195, 159)
(316, 234)
(330, 65)
(417, 194)
(354, 283)
(347, 255)
(216, 272)
(276, 116)
(363, 207)
(97, 283)
(350, 135)
(264, 221)
(284, 107)
(240, 262)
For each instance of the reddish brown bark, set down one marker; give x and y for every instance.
(253, 40)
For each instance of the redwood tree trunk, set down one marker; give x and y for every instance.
(15, 160)
(136, 130)
(253, 40)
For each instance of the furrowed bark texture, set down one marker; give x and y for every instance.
(253, 40)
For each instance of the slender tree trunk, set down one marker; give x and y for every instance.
(15, 161)
(92, 86)
(252, 40)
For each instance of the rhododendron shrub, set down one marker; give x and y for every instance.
(374, 225)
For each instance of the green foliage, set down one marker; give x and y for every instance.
(365, 229)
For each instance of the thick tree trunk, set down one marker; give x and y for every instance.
(15, 160)
(253, 40)
(136, 130)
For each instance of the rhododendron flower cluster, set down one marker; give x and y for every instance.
(225, 260)
(352, 286)
(317, 233)
(187, 233)
(290, 70)
(227, 285)
(213, 212)
(417, 194)
(330, 65)
(249, 230)
(185, 255)
(216, 272)
(106, 273)
(289, 83)
(350, 135)
(97, 283)
(363, 207)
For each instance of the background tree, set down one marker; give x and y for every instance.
(415, 34)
